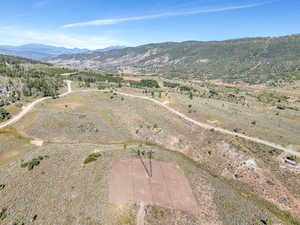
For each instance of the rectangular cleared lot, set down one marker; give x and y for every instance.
(168, 187)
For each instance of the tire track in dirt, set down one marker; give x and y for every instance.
(140, 217)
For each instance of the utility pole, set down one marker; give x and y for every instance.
(140, 154)
(150, 162)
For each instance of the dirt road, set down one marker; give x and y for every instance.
(209, 127)
(181, 115)
(27, 108)
(140, 217)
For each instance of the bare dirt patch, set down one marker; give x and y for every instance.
(132, 78)
(37, 142)
(168, 187)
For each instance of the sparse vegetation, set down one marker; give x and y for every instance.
(271, 98)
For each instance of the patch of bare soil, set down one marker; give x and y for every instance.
(132, 78)
(166, 186)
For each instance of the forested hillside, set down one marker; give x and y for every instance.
(21, 77)
(253, 60)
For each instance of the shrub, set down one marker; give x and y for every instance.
(292, 157)
(92, 157)
(2, 186)
(236, 130)
(30, 165)
(3, 214)
(34, 162)
(4, 114)
(281, 107)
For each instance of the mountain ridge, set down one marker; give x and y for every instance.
(44, 52)
(253, 60)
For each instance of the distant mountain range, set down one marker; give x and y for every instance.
(43, 52)
(253, 60)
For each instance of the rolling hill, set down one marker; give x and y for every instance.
(252, 60)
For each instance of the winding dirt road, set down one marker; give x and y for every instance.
(27, 108)
(209, 127)
(181, 115)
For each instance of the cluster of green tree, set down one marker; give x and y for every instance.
(90, 77)
(170, 84)
(45, 86)
(29, 78)
(4, 115)
(271, 98)
(185, 88)
(284, 107)
(144, 83)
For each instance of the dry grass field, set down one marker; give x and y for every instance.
(265, 122)
(63, 190)
(233, 181)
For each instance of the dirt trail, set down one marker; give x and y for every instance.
(30, 106)
(140, 217)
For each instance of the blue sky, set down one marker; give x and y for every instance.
(96, 24)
